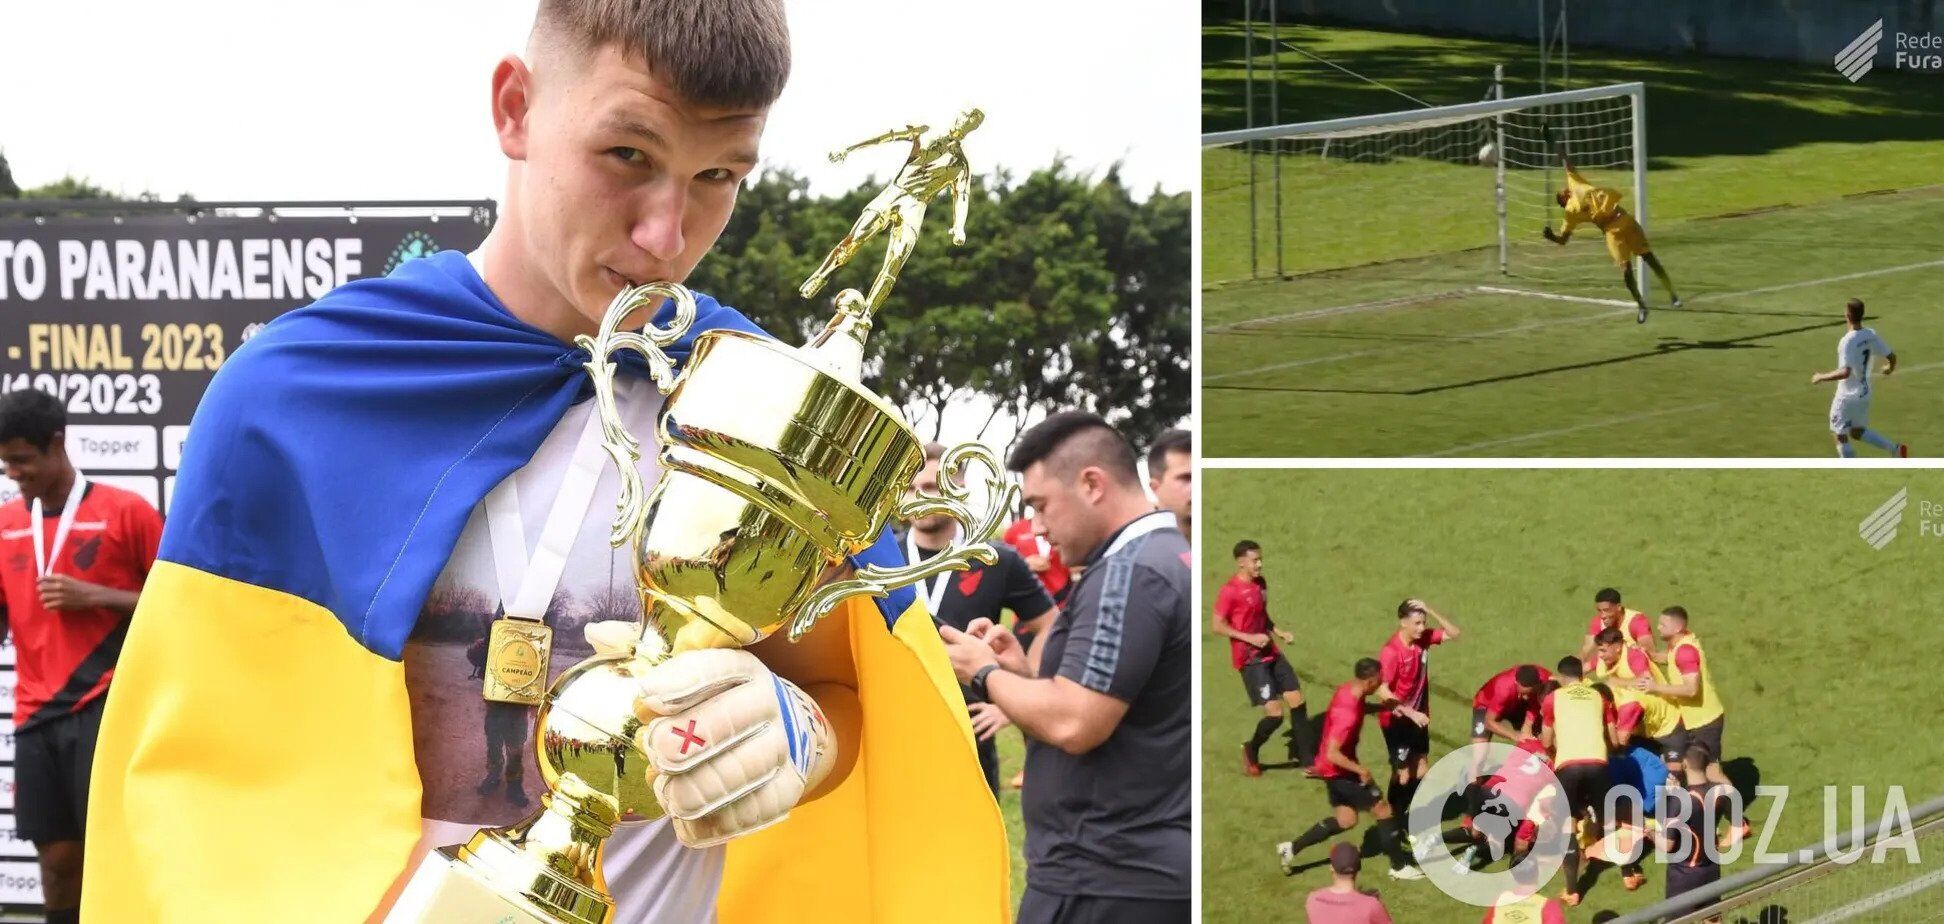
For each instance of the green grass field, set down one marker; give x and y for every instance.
(1777, 192)
(1824, 649)
(1012, 756)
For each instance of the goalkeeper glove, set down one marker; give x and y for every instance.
(734, 746)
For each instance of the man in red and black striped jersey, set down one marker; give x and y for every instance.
(1242, 616)
(73, 556)
(1348, 782)
(1405, 660)
(1508, 704)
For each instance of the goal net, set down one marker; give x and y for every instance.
(1473, 181)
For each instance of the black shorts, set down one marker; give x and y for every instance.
(1514, 717)
(1037, 907)
(1405, 741)
(1267, 680)
(1349, 792)
(1682, 878)
(1675, 746)
(1585, 786)
(51, 765)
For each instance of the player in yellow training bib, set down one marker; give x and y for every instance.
(1587, 204)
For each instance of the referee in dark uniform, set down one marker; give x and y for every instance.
(1104, 697)
(956, 598)
(1685, 833)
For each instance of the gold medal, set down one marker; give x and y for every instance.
(517, 652)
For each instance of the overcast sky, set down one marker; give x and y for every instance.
(228, 99)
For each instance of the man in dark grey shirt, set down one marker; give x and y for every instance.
(1104, 696)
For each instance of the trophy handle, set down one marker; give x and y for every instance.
(621, 445)
(952, 500)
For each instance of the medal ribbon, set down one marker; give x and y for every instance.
(526, 584)
(45, 558)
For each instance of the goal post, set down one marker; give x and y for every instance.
(1419, 182)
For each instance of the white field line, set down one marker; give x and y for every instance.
(1633, 418)
(1355, 354)
(1402, 301)
(1816, 282)
(1582, 299)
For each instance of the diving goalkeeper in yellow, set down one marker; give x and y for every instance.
(1599, 206)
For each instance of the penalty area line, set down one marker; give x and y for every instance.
(1554, 296)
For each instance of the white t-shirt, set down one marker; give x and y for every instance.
(476, 758)
(1857, 350)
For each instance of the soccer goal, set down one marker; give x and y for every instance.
(1474, 180)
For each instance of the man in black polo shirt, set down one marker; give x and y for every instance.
(956, 598)
(1104, 696)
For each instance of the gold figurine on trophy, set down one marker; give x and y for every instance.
(936, 165)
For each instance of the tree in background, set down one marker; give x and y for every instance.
(1067, 293)
(69, 187)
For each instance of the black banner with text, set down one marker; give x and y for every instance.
(126, 318)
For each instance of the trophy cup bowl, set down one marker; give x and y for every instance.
(775, 471)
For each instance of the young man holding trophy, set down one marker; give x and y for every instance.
(412, 462)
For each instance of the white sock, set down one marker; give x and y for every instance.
(1844, 449)
(1879, 441)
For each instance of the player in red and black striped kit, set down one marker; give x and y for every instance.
(73, 556)
(1508, 704)
(1348, 782)
(1406, 659)
(1242, 616)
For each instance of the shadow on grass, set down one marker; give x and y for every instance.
(1745, 775)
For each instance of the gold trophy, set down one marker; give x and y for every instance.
(777, 466)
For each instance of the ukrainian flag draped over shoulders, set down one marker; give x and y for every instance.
(255, 761)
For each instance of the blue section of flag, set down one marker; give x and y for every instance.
(338, 453)
(885, 553)
(1643, 770)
